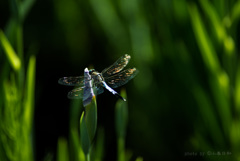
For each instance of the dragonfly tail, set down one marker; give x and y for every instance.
(119, 96)
(112, 91)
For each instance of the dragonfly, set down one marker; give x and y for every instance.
(112, 77)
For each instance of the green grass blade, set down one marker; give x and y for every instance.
(110, 21)
(10, 53)
(121, 118)
(218, 78)
(62, 152)
(30, 92)
(205, 45)
(237, 91)
(139, 159)
(88, 126)
(235, 139)
(208, 115)
(75, 149)
(85, 140)
(91, 118)
(220, 92)
(25, 7)
(5, 68)
(214, 19)
(11, 138)
(235, 12)
(99, 146)
(218, 26)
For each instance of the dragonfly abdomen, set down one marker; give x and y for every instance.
(112, 91)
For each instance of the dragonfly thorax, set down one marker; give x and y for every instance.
(97, 77)
(91, 71)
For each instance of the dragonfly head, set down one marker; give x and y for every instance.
(91, 71)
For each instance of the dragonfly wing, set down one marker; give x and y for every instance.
(76, 93)
(117, 66)
(72, 81)
(100, 90)
(121, 78)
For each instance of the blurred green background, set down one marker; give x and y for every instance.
(183, 105)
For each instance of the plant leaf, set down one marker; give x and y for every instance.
(85, 140)
(205, 45)
(10, 53)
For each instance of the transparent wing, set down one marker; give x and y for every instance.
(121, 78)
(100, 90)
(72, 81)
(117, 66)
(77, 93)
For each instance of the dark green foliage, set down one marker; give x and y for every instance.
(184, 101)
